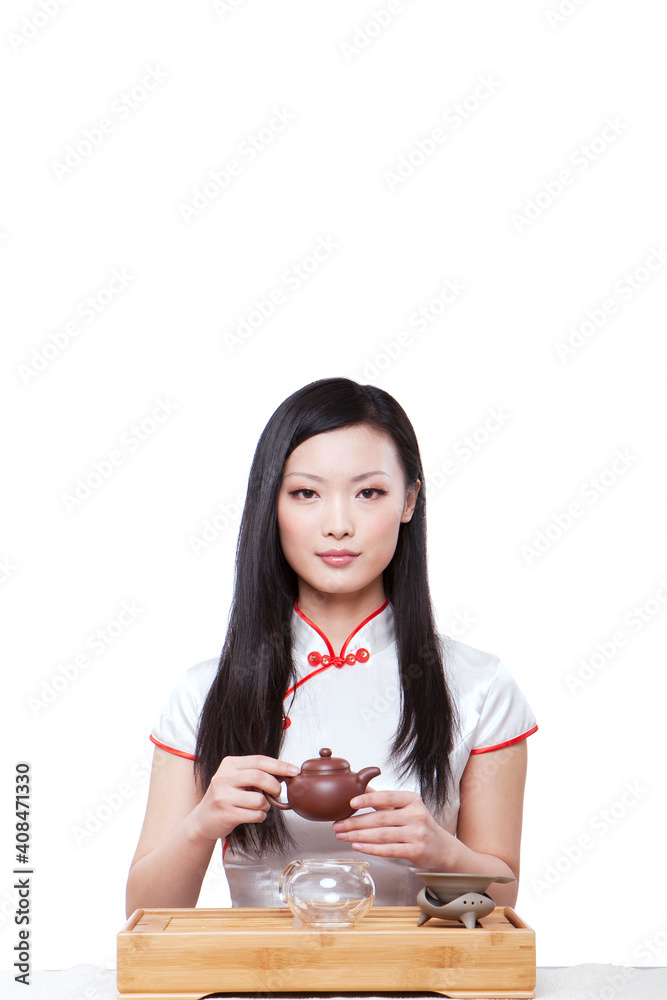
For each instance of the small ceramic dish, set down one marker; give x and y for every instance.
(447, 886)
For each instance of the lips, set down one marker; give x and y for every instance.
(338, 557)
(338, 552)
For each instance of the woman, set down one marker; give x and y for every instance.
(331, 643)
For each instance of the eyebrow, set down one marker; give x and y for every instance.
(354, 479)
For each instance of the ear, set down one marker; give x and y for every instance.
(410, 501)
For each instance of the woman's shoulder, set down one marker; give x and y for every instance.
(493, 708)
(464, 661)
(195, 681)
(175, 728)
(200, 675)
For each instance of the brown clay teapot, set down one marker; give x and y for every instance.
(324, 787)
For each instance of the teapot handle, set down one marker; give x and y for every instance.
(288, 871)
(277, 803)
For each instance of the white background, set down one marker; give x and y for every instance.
(359, 97)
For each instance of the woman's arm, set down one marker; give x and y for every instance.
(491, 816)
(181, 827)
(171, 858)
(488, 836)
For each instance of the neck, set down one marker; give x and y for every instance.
(338, 614)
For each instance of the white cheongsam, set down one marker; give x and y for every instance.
(351, 703)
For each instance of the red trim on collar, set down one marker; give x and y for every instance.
(304, 679)
(329, 646)
(313, 625)
(350, 636)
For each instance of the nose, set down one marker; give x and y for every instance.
(337, 518)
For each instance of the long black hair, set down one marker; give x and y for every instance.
(243, 711)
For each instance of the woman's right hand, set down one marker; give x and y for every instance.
(235, 796)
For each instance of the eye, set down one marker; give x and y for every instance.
(374, 489)
(295, 493)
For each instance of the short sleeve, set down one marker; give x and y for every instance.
(505, 717)
(175, 728)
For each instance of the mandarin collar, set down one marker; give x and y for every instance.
(373, 634)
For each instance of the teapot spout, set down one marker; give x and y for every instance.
(367, 774)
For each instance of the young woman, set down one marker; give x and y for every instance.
(331, 642)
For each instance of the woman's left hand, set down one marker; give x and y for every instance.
(400, 827)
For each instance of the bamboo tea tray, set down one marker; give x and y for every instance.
(187, 953)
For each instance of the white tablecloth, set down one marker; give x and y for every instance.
(577, 982)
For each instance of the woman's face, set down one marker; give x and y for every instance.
(343, 489)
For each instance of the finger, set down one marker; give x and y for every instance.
(270, 764)
(251, 799)
(251, 777)
(225, 787)
(381, 835)
(247, 816)
(382, 850)
(380, 817)
(387, 799)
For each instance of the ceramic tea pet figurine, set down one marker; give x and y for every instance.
(455, 896)
(323, 789)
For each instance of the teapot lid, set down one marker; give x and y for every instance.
(325, 763)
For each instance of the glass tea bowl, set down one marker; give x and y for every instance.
(327, 895)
